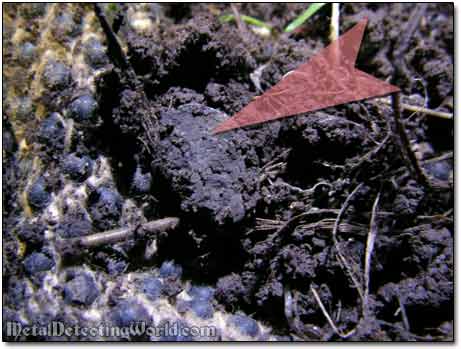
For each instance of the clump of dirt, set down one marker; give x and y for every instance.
(213, 178)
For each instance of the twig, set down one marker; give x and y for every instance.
(407, 152)
(422, 110)
(149, 122)
(369, 252)
(121, 234)
(113, 46)
(400, 66)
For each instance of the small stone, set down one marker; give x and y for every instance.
(318, 242)
(152, 287)
(141, 182)
(52, 132)
(105, 208)
(201, 292)
(440, 169)
(24, 108)
(65, 27)
(37, 262)
(247, 326)
(38, 195)
(33, 234)
(130, 312)
(81, 290)
(27, 52)
(56, 75)
(77, 168)
(116, 266)
(74, 227)
(170, 270)
(33, 10)
(95, 53)
(84, 110)
(203, 309)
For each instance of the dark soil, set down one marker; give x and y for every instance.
(258, 205)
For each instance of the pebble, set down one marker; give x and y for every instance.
(38, 195)
(129, 312)
(95, 53)
(56, 75)
(170, 270)
(105, 208)
(81, 290)
(152, 287)
(84, 110)
(77, 168)
(37, 262)
(245, 325)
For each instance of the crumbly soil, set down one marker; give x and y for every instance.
(258, 206)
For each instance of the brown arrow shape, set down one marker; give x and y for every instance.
(327, 79)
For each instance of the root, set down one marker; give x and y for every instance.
(343, 335)
(372, 153)
(342, 260)
(368, 254)
(401, 170)
(404, 41)
(403, 140)
(263, 224)
(363, 293)
(306, 333)
(403, 312)
(402, 330)
(240, 25)
(445, 156)
(273, 166)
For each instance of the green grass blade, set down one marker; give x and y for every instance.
(311, 10)
(246, 19)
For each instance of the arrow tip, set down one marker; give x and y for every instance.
(328, 79)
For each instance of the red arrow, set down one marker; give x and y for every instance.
(327, 79)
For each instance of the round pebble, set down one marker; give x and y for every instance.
(37, 262)
(84, 110)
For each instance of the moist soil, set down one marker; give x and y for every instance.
(258, 206)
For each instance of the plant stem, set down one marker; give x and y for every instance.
(334, 23)
(405, 142)
(422, 110)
